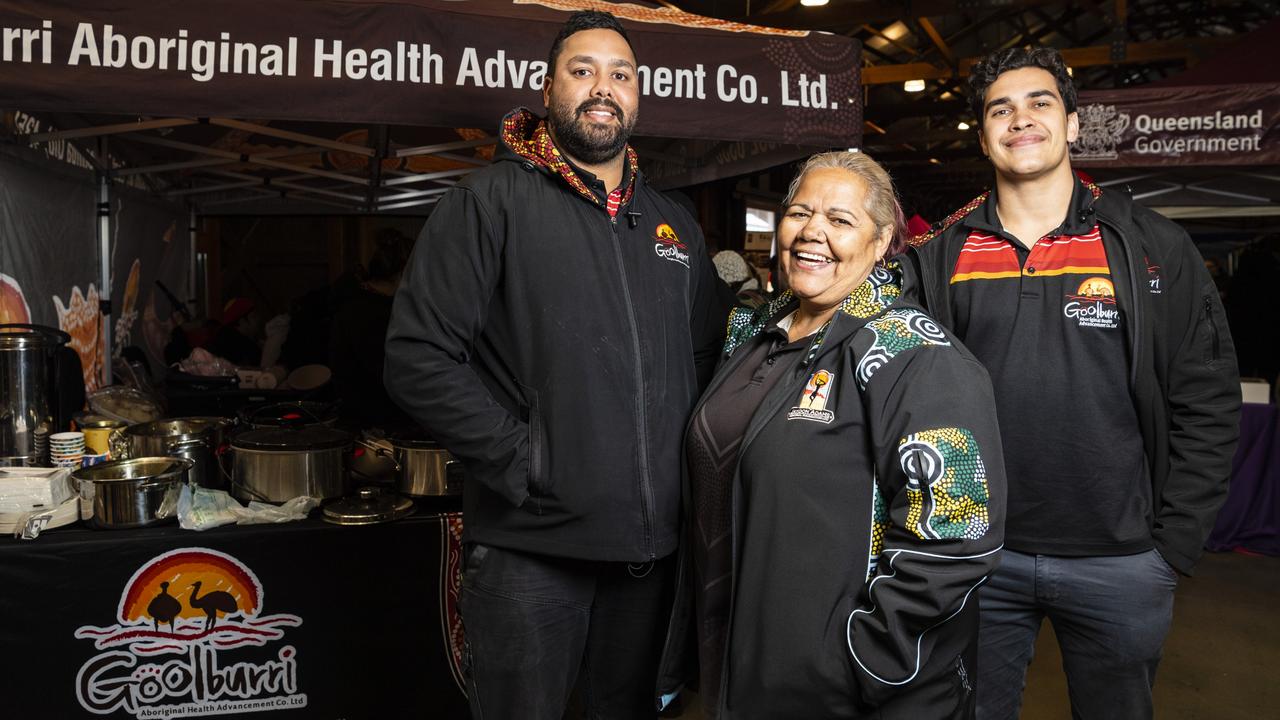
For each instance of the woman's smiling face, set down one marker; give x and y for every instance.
(828, 242)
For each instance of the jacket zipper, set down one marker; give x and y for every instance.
(760, 419)
(646, 482)
(1135, 324)
(1213, 329)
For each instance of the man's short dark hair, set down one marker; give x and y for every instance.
(986, 70)
(585, 20)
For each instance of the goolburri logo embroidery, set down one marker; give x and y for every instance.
(1153, 278)
(667, 245)
(813, 401)
(1101, 128)
(1093, 304)
(173, 648)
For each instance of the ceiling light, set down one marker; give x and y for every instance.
(913, 85)
(935, 161)
(1071, 72)
(813, 3)
(962, 125)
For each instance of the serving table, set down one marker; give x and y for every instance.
(296, 620)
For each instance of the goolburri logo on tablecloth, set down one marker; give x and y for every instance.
(175, 649)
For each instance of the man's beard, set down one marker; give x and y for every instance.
(588, 142)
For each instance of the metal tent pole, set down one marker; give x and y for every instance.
(104, 256)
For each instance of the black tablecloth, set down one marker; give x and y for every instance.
(328, 622)
(1250, 518)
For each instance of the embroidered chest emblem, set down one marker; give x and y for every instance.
(813, 401)
(667, 245)
(1093, 304)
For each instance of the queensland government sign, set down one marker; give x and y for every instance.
(1210, 125)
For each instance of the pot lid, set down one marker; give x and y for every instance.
(21, 336)
(177, 427)
(308, 437)
(297, 412)
(414, 440)
(368, 506)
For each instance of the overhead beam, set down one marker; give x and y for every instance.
(101, 130)
(269, 131)
(938, 42)
(1142, 52)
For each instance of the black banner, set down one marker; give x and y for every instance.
(417, 62)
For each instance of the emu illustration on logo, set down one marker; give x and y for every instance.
(201, 595)
(1096, 288)
(667, 236)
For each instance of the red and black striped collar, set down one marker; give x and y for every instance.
(985, 218)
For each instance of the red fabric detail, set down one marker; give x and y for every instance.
(537, 147)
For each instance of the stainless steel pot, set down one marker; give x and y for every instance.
(279, 464)
(132, 493)
(198, 439)
(425, 469)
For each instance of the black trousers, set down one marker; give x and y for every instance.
(537, 625)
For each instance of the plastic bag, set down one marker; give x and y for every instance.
(200, 509)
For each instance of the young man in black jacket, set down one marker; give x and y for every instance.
(1116, 389)
(551, 331)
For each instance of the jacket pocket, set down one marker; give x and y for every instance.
(1211, 329)
(539, 480)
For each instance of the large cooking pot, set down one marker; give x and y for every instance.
(132, 493)
(279, 464)
(424, 469)
(289, 414)
(199, 439)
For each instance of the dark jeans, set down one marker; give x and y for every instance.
(1110, 615)
(535, 625)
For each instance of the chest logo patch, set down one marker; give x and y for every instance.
(1153, 278)
(1093, 304)
(667, 245)
(813, 401)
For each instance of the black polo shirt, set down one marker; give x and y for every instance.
(1047, 324)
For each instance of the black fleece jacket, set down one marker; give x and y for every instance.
(556, 352)
(1183, 377)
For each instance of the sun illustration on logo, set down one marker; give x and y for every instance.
(666, 235)
(1096, 288)
(192, 595)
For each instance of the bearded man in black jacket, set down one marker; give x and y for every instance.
(1116, 389)
(553, 329)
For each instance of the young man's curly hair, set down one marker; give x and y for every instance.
(986, 70)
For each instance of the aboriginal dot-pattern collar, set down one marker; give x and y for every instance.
(526, 134)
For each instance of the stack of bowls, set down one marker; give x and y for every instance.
(66, 449)
(42, 445)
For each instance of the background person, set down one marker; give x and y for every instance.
(847, 487)
(1116, 385)
(356, 341)
(550, 332)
